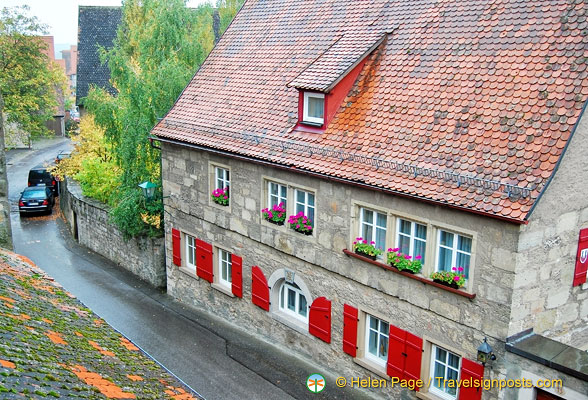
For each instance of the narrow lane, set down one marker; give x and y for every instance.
(194, 354)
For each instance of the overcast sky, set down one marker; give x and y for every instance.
(61, 16)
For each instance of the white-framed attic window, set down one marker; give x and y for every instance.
(313, 109)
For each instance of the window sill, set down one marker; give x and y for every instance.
(292, 323)
(189, 272)
(370, 366)
(220, 207)
(422, 279)
(222, 288)
(427, 396)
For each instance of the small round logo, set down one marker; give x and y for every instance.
(315, 383)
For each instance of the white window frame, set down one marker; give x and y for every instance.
(305, 116)
(368, 330)
(224, 264)
(278, 197)
(454, 250)
(411, 237)
(374, 225)
(190, 248)
(224, 177)
(433, 389)
(305, 205)
(283, 301)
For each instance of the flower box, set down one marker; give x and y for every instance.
(220, 196)
(275, 215)
(301, 223)
(454, 278)
(366, 249)
(371, 257)
(416, 277)
(404, 262)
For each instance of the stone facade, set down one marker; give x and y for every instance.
(89, 222)
(543, 297)
(439, 316)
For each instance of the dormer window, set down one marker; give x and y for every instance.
(314, 108)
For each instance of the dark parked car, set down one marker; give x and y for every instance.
(39, 176)
(36, 199)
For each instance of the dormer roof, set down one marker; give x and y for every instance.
(333, 65)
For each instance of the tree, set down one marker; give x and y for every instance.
(159, 46)
(28, 80)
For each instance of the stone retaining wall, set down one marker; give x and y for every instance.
(88, 220)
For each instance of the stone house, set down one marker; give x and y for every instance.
(450, 132)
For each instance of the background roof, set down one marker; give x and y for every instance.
(96, 27)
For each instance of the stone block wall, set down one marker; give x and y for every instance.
(543, 297)
(89, 220)
(437, 315)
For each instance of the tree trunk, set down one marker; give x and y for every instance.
(5, 228)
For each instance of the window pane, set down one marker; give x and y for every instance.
(315, 107)
(300, 197)
(404, 226)
(381, 238)
(451, 375)
(283, 192)
(282, 296)
(273, 188)
(367, 216)
(291, 300)
(440, 354)
(444, 259)
(381, 220)
(311, 215)
(420, 231)
(439, 373)
(311, 199)
(383, 347)
(463, 260)
(373, 343)
(446, 239)
(453, 361)
(404, 244)
(384, 328)
(367, 232)
(373, 323)
(464, 244)
(419, 249)
(302, 307)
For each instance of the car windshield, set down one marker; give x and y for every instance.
(34, 194)
(39, 174)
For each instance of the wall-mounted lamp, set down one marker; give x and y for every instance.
(485, 353)
(148, 190)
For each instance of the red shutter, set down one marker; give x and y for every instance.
(204, 260)
(319, 319)
(176, 246)
(405, 353)
(396, 358)
(260, 294)
(414, 355)
(581, 259)
(471, 372)
(350, 330)
(237, 275)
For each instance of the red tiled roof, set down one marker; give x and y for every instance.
(463, 103)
